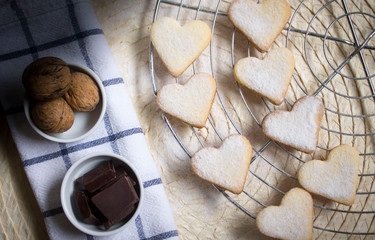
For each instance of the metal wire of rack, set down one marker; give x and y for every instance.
(324, 86)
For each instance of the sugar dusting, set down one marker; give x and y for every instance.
(190, 102)
(335, 178)
(298, 128)
(269, 77)
(260, 22)
(227, 166)
(179, 46)
(291, 220)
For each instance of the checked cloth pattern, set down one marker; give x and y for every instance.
(68, 29)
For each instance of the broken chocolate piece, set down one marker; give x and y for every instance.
(126, 212)
(106, 195)
(98, 177)
(120, 172)
(84, 209)
(113, 201)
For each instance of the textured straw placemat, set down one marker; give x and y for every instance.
(200, 211)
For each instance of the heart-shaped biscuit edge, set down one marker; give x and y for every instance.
(249, 152)
(195, 121)
(271, 55)
(318, 120)
(179, 64)
(294, 194)
(306, 168)
(258, 44)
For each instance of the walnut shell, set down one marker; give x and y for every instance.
(46, 78)
(54, 116)
(83, 94)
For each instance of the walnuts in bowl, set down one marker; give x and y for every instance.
(54, 116)
(55, 90)
(83, 94)
(46, 78)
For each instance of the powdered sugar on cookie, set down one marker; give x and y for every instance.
(298, 128)
(260, 23)
(293, 219)
(226, 166)
(191, 102)
(179, 46)
(269, 77)
(335, 178)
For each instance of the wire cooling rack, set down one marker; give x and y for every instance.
(334, 46)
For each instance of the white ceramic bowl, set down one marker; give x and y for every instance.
(84, 122)
(68, 186)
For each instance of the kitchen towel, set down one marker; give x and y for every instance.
(69, 30)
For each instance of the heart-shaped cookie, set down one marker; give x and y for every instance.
(335, 178)
(260, 23)
(225, 166)
(179, 46)
(269, 77)
(298, 128)
(191, 102)
(293, 219)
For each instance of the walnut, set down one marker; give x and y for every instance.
(46, 78)
(54, 116)
(83, 94)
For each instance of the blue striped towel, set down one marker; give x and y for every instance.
(31, 29)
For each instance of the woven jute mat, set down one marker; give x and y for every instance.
(201, 212)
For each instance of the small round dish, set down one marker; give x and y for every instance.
(68, 186)
(84, 122)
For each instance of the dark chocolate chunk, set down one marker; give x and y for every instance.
(79, 180)
(120, 172)
(106, 195)
(84, 209)
(113, 201)
(125, 212)
(98, 177)
(97, 213)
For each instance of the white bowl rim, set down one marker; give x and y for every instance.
(70, 215)
(92, 129)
